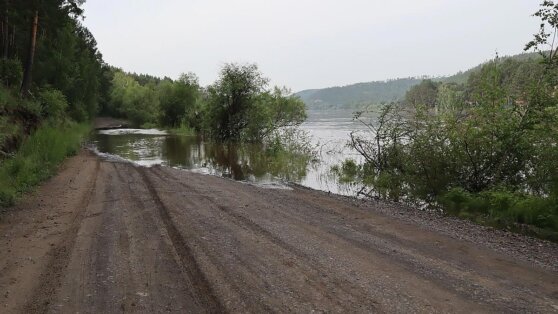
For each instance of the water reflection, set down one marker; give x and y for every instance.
(329, 131)
(246, 162)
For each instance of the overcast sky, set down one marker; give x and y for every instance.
(309, 43)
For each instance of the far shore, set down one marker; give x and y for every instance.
(107, 123)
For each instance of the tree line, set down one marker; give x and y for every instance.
(50, 68)
(52, 80)
(239, 106)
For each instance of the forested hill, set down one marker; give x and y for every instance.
(359, 94)
(352, 96)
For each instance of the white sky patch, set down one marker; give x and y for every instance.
(309, 43)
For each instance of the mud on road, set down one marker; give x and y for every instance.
(106, 237)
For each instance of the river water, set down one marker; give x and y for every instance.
(328, 131)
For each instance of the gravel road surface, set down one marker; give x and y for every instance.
(111, 237)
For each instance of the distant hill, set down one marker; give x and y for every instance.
(352, 96)
(357, 95)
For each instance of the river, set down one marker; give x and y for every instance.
(328, 132)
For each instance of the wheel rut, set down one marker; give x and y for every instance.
(192, 270)
(50, 279)
(304, 264)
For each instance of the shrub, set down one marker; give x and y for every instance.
(53, 103)
(240, 106)
(11, 72)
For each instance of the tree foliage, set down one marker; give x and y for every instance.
(544, 41)
(66, 55)
(232, 99)
(240, 107)
(237, 107)
(486, 150)
(425, 93)
(68, 78)
(138, 103)
(179, 102)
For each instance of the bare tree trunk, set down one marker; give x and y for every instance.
(26, 84)
(12, 39)
(5, 35)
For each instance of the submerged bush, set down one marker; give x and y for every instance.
(240, 107)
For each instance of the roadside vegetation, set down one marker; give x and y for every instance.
(38, 158)
(485, 150)
(52, 82)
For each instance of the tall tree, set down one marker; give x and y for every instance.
(26, 84)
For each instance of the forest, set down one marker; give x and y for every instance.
(357, 95)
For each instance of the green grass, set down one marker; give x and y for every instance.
(518, 212)
(38, 158)
(183, 130)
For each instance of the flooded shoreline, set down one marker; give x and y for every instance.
(251, 163)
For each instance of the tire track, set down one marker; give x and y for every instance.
(153, 224)
(51, 278)
(436, 270)
(243, 296)
(111, 249)
(202, 288)
(349, 289)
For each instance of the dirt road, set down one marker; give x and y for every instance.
(105, 237)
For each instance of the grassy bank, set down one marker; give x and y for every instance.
(184, 129)
(38, 158)
(518, 212)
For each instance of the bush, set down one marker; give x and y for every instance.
(11, 72)
(53, 103)
(240, 106)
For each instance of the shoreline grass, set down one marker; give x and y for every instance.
(38, 159)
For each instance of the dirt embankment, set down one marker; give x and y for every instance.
(105, 237)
